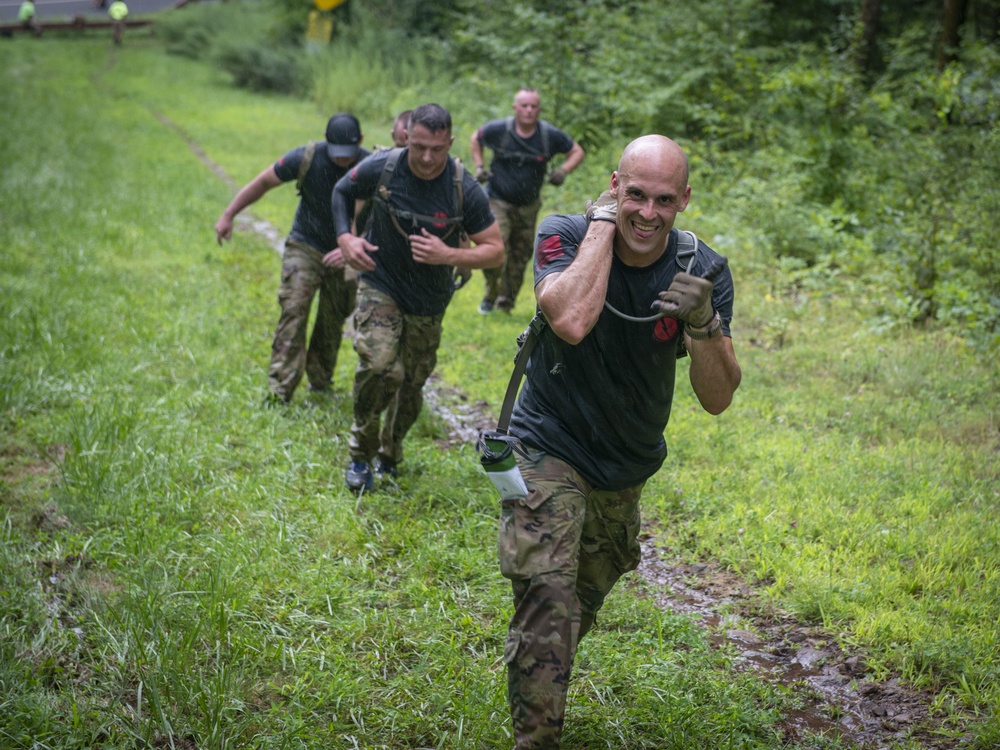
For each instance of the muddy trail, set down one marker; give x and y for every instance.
(838, 701)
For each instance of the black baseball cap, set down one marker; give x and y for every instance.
(343, 136)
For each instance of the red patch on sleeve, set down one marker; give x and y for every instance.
(354, 174)
(549, 249)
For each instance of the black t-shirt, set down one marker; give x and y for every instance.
(602, 405)
(418, 288)
(518, 164)
(313, 223)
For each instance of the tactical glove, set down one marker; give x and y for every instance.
(483, 174)
(689, 298)
(605, 208)
(557, 176)
(461, 278)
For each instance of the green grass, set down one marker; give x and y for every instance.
(203, 575)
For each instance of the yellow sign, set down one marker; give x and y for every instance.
(328, 4)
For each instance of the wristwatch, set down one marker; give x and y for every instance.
(710, 330)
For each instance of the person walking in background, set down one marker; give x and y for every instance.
(118, 12)
(28, 19)
(522, 147)
(425, 203)
(399, 127)
(591, 416)
(312, 260)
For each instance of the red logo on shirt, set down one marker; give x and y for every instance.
(665, 329)
(549, 250)
(443, 219)
(354, 174)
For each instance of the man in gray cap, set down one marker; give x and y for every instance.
(312, 260)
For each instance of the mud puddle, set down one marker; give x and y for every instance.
(837, 699)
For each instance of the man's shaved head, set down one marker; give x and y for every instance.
(651, 188)
(657, 150)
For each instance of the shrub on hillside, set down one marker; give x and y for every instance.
(255, 42)
(258, 68)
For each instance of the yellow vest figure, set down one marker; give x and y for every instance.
(118, 11)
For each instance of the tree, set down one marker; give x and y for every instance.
(951, 21)
(866, 52)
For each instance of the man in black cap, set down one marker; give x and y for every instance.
(312, 260)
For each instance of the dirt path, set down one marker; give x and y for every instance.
(837, 699)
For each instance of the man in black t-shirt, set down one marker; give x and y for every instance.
(406, 258)
(522, 146)
(594, 407)
(311, 260)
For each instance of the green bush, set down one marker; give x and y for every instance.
(259, 68)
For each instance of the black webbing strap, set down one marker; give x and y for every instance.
(526, 344)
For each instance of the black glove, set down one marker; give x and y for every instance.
(461, 278)
(557, 176)
(605, 208)
(483, 174)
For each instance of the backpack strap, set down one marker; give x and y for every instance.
(525, 345)
(460, 199)
(307, 160)
(382, 194)
(544, 126)
(510, 137)
(687, 249)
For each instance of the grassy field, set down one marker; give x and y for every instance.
(182, 567)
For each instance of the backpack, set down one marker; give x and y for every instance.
(382, 196)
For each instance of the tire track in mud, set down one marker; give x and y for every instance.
(245, 221)
(837, 701)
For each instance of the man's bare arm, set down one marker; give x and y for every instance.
(572, 299)
(249, 194)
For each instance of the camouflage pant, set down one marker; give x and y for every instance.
(563, 547)
(302, 275)
(517, 226)
(396, 354)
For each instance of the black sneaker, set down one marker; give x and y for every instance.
(359, 476)
(486, 307)
(385, 469)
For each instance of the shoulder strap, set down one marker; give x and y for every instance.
(508, 132)
(525, 345)
(511, 135)
(388, 169)
(381, 188)
(307, 159)
(460, 198)
(687, 249)
(544, 126)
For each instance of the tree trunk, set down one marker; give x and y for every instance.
(951, 22)
(866, 54)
